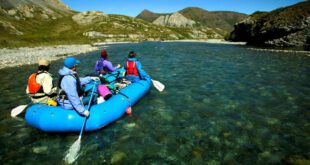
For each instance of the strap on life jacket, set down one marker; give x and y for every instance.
(131, 68)
(79, 90)
(33, 86)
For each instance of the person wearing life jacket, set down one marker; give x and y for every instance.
(70, 95)
(103, 65)
(134, 71)
(40, 85)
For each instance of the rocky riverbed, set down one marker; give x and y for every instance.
(24, 56)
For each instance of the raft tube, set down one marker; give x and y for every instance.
(56, 119)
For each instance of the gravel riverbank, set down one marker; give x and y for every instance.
(10, 57)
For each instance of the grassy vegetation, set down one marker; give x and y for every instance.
(38, 31)
(65, 31)
(283, 16)
(212, 24)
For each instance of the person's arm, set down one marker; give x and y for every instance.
(85, 80)
(97, 68)
(47, 84)
(109, 66)
(68, 84)
(142, 73)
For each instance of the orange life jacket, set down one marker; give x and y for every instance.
(131, 68)
(33, 86)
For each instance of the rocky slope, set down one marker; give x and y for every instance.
(201, 23)
(284, 27)
(174, 20)
(21, 9)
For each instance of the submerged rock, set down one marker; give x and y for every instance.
(265, 155)
(272, 121)
(130, 125)
(40, 149)
(296, 160)
(117, 157)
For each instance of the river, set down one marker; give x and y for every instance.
(222, 104)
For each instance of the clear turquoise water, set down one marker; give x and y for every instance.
(222, 104)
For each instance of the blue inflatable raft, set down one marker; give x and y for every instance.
(56, 119)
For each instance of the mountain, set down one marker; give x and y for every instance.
(202, 22)
(213, 19)
(51, 22)
(148, 15)
(283, 27)
(174, 20)
(45, 6)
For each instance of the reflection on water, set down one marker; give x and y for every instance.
(222, 104)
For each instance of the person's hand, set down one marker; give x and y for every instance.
(95, 78)
(86, 113)
(118, 65)
(54, 90)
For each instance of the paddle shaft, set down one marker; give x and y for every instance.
(91, 97)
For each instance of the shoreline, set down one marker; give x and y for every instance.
(211, 41)
(307, 53)
(12, 57)
(111, 43)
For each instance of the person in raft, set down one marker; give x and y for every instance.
(71, 92)
(103, 65)
(134, 71)
(40, 85)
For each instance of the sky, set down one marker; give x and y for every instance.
(134, 7)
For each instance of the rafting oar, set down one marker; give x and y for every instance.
(158, 85)
(16, 111)
(72, 153)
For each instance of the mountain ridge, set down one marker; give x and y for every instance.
(198, 15)
(209, 24)
(48, 22)
(54, 4)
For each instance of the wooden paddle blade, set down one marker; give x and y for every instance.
(16, 111)
(158, 85)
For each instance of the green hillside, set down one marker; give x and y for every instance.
(64, 30)
(50, 22)
(216, 24)
(216, 19)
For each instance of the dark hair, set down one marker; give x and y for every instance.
(131, 54)
(43, 68)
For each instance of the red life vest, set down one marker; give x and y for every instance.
(131, 68)
(33, 86)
